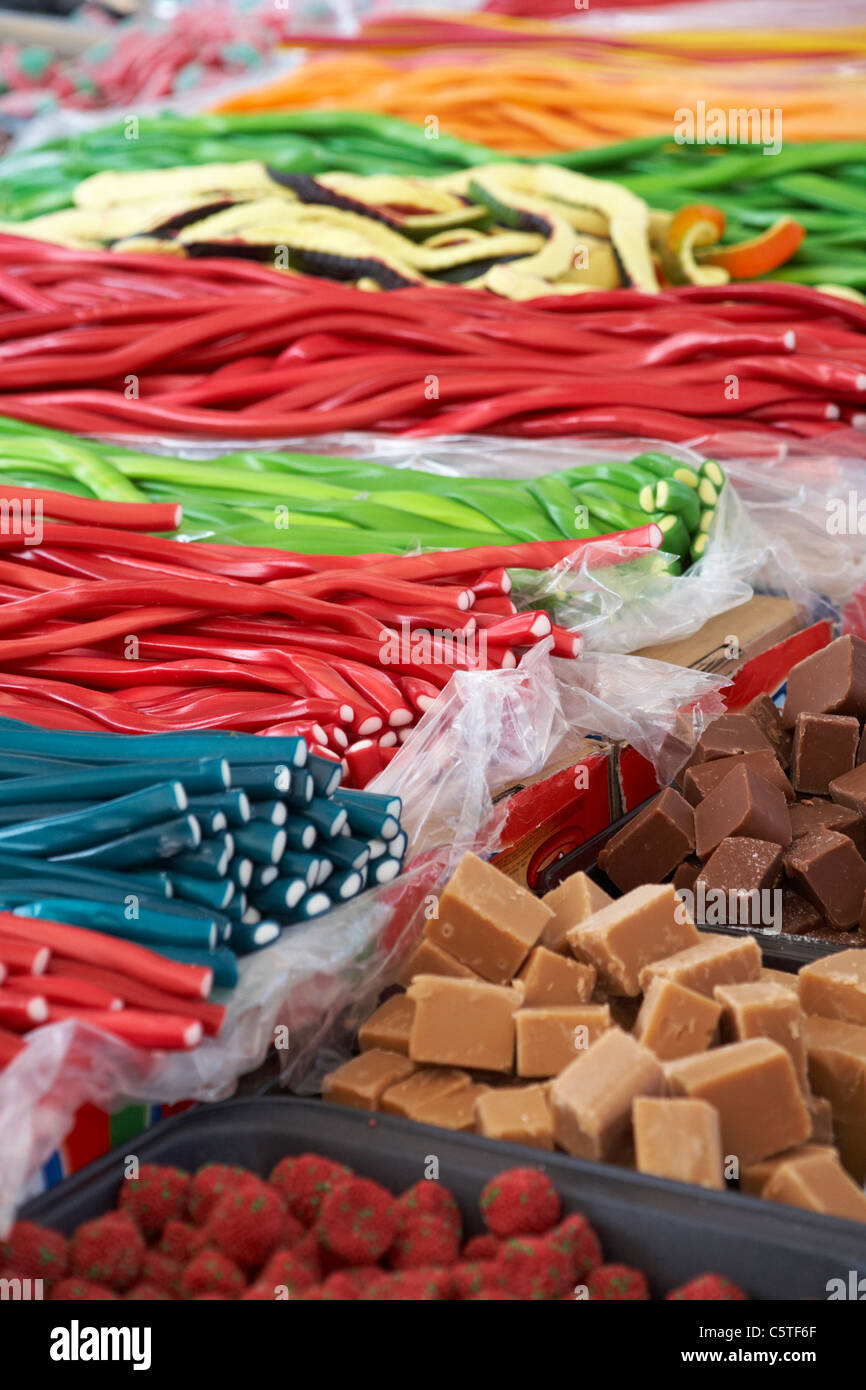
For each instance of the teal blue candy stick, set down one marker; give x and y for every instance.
(17, 737)
(397, 847)
(389, 805)
(147, 927)
(384, 870)
(275, 812)
(13, 765)
(221, 961)
(260, 841)
(249, 937)
(152, 881)
(328, 817)
(281, 896)
(237, 907)
(38, 811)
(313, 905)
(301, 790)
(326, 775)
(347, 883)
(347, 853)
(15, 891)
(263, 874)
(263, 781)
(212, 819)
(235, 804)
(76, 783)
(171, 837)
(54, 835)
(216, 894)
(296, 865)
(211, 859)
(240, 871)
(301, 834)
(370, 822)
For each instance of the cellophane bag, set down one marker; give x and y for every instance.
(486, 731)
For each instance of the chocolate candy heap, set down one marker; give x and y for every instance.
(768, 828)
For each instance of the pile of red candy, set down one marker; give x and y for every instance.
(315, 1231)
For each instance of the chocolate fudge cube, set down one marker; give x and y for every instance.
(742, 874)
(769, 720)
(850, 789)
(651, 845)
(730, 735)
(827, 869)
(700, 780)
(743, 804)
(825, 746)
(831, 681)
(799, 916)
(813, 813)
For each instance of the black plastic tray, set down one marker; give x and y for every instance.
(670, 1230)
(780, 951)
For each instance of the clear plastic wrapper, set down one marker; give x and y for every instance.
(486, 732)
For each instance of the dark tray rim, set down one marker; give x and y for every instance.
(804, 1231)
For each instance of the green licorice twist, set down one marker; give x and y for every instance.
(319, 504)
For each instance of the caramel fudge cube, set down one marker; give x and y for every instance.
(651, 844)
(825, 747)
(754, 1179)
(835, 986)
(571, 902)
(642, 926)
(674, 1021)
(424, 1085)
(754, 1087)
(549, 978)
(849, 790)
(780, 977)
(516, 1115)
(851, 1143)
(549, 1038)
(716, 960)
(769, 720)
(429, 959)
(678, 1139)
(363, 1081)
(702, 778)
(822, 1120)
(463, 1023)
(831, 681)
(455, 1110)
(743, 804)
(759, 1009)
(388, 1027)
(827, 870)
(817, 1182)
(592, 1099)
(487, 921)
(837, 1067)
